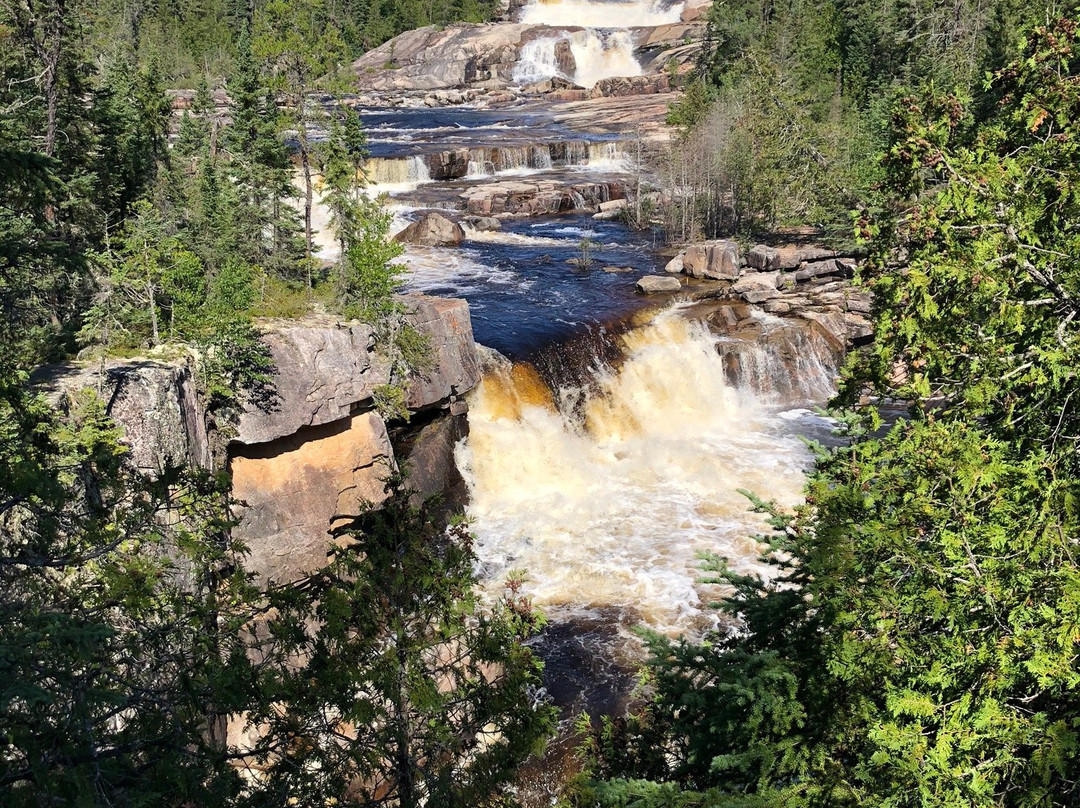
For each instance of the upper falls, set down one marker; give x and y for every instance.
(600, 13)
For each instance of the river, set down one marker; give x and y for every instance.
(609, 437)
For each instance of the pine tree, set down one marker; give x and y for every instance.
(409, 690)
(121, 600)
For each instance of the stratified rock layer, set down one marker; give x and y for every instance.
(315, 453)
(315, 460)
(291, 491)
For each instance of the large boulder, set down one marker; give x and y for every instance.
(718, 260)
(828, 266)
(322, 454)
(790, 256)
(448, 165)
(455, 364)
(433, 230)
(763, 258)
(324, 370)
(154, 402)
(757, 287)
(484, 224)
(651, 284)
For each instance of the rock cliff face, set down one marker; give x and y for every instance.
(292, 490)
(154, 400)
(314, 460)
(319, 451)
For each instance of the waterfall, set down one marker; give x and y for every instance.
(538, 61)
(602, 55)
(607, 156)
(577, 152)
(786, 363)
(478, 169)
(596, 55)
(606, 492)
(592, 14)
(539, 157)
(395, 175)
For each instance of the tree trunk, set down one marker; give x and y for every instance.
(305, 165)
(153, 313)
(406, 786)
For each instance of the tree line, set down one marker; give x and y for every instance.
(789, 104)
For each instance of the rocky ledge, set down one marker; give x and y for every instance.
(481, 58)
(534, 198)
(795, 300)
(314, 451)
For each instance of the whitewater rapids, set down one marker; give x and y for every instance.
(606, 496)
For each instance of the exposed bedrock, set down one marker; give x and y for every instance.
(485, 57)
(314, 461)
(532, 198)
(786, 314)
(153, 400)
(315, 453)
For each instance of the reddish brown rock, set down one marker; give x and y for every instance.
(293, 490)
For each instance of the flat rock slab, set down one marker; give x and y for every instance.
(538, 197)
(652, 284)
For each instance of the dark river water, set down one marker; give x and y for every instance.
(523, 291)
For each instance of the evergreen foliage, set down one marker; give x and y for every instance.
(412, 692)
(119, 638)
(789, 103)
(918, 646)
(128, 638)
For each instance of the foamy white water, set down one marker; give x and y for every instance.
(603, 55)
(600, 14)
(395, 175)
(537, 61)
(597, 55)
(431, 269)
(611, 508)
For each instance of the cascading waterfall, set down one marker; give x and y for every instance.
(783, 362)
(602, 55)
(492, 161)
(607, 157)
(607, 501)
(393, 175)
(597, 55)
(540, 157)
(576, 152)
(480, 164)
(537, 61)
(592, 14)
(512, 158)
